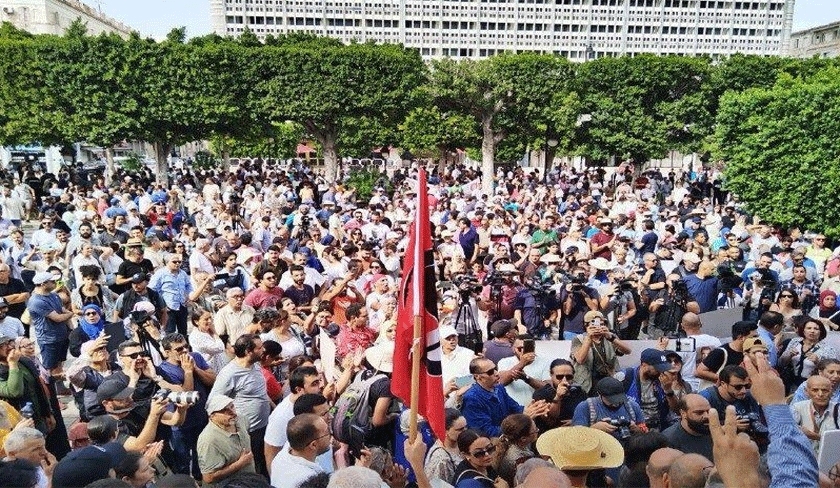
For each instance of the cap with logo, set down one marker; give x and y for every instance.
(656, 358)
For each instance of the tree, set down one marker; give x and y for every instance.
(639, 107)
(325, 88)
(429, 132)
(780, 149)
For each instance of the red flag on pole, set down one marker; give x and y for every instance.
(418, 376)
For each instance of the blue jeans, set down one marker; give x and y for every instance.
(184, 442)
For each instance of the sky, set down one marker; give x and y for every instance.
(156, 18)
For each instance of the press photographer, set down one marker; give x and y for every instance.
(618, 302)
(465, 290)
(500, 290)
(759, 293)
(536, 307)
(576, 299)
(669, 306)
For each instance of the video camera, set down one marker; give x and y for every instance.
(466, 284)
(622, 426)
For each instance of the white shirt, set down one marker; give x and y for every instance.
(455, 364)
(289, 471)
(275, 432)
(690, 358)
(519, 390)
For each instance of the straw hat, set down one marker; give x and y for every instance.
(600, 263)
(581, 448)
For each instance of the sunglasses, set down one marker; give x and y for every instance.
(786, 296)
(489, 372)
(740, 387)
(567, 377)
(91, 313)
(181, 349)
(140, 354)
(480, 453)
(177, 261)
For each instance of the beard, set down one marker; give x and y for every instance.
(698, 426)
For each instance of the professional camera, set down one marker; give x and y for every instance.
(626, 285)
(757, 427)
(466, 283)
(187, 397)
(574, 390)
(539, 286)
(622, 426)
(680, 287)
(727, 279)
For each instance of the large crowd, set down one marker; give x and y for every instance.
(236, 329)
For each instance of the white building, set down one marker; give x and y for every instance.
(576, 29)
(822, 41)
(55, 16)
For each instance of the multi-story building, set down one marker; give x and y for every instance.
(55, 16)
(576, 29)
(822, 41)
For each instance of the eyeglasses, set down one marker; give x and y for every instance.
(786, 296)
(181, 349)
(740, 387)
(480, 453)
(91, 312)
(321, 437)
(567, 377)
(136, 355)
(176, 261)
(489, 372)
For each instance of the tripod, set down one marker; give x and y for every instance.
(471, 338)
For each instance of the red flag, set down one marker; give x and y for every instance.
(418, 298)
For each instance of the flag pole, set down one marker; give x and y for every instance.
(415, 378)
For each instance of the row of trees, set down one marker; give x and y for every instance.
(248, 96)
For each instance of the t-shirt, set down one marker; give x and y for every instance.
(384, 435)
(13, 287)
(171, 373)
(247, 388)
(600, 239)
(742, 407)
(715, 360)
(496, 351)
(678, 438)
(519, 390)
(46, 330)
(275, 432)
(690, 358)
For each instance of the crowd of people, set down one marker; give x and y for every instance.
(237, 329)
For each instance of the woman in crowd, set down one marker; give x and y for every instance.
(800, 356)
(444, 456)
(88, 373)
(479, 454)
(282, 332)
(519, 432)
(204, 340)
(90, 291)
(828, 309)
(135, 470)
(788, 305)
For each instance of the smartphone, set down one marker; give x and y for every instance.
(462, 381)
(528, 345)
(684, 344)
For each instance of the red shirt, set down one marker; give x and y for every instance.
(274, 388)
(600, 239)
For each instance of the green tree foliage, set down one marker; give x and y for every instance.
(780, 145)
(640, 107)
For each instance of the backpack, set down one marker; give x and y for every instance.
(352, 412)
(593, 414)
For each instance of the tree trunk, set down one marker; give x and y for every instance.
(550, 152)
(488, 155)
(442, 160)
(109, 165)
(224, 152)
(161, 151)
(331, 166)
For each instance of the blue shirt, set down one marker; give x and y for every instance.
(704, 292)
(173, 288)
(485, 410)
(46, 330)
(790, 457)
(172, 373)
(772, 355)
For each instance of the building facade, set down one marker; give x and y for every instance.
(822, 41)
(55, 16)
(575, 29)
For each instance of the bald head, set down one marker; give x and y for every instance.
(689, 471)
(819, 391)
(546, 477)
(659, 463)
(691, 322)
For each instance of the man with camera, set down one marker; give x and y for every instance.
(611, 411)
(139, 292)
(668, 307)
(618, 303)
(595, 352)
(536, 307)
(651, 385)
(193, 374)
(576, 300)
(734, 389)
(499, 294)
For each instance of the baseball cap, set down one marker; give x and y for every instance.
(42, 277)
(754, 343)
(6, 339)
(447, 331)
(591, 315)
(3, 303)
(139, 278)
(82, 467)
(611, 389)
(113, 390)
(218, 402)
(502, 327)
(656, 358)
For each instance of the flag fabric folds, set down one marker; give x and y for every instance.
(417, 300)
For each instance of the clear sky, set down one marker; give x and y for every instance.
(157, 17)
